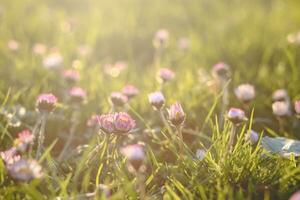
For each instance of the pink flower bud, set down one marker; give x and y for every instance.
(118, 99)
(46, 102)
(130, 91)
(183, 44)
(123, 123)
(236, 115)
(10, 156)
(13, 45)
(165, 74)
(245, 92)
(53, 61)
(295, 196)
(161, 38)
(281, 108)
(77, 94)
(107, 123)
(176, 114)
(280, 95)
(157, 100)
(135, 155)
(221, 70)
(252, 136)
(71, 75)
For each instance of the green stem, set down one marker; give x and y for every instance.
(41, 136)
(231, 139)
(165, 122)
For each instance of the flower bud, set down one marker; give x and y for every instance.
(295, 196)
(53, 61)
(236, 115)
(252, 136)
(123, 123)
(281, 108)
(77, 94)
(165, 75)
(135, 155)
(245, 92)
(107, 123)
(46, 102)
(221, 70)
(130, 91)
(71, 76)
(118, 99)
(157, 100)
(176, 114)
(161, 38)
(280, 95)
(200, 154)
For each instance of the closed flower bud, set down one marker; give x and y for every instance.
(221, 70)
(53, 61)
(77, 94)
(281, 108)
(135, 155)
(176, 114)
(280, 95)
(252, 136)
(123, 123)
(157, 100)
(130, 91)
(71, 75)
(236, 115)
(25, 170)
(245, 92)
(165, 75)
(118, 99)
(24, 139)
(107, 123)
(200, 154)
(297, 107)
(295, 196)
(46, 102)
(161, 38)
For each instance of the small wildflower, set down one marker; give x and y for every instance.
(200, 154)
(107, 123)
(115, 69)
(176, 114)
(123, 123)
(165, 75)
(157, 100)
(24, 139)
(280, 95)
(221, 70)
(71, 75)
(236, 115)
(39, 49)
(13, 45)
(183, 43)
(245, 92)
(297, 107)
(53, 61)
(130, 91)
(252, 136)
(118, 99)
(281, 108)
(77, 94)
(135, 155)
(293, 38)
(25, 170)
(161, 38)
(295, 196)
(10, 156)
(84, 50)
(46, 102)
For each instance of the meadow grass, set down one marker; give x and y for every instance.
(251, 36)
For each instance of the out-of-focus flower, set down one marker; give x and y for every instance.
(280, 95)
(281, 108)
(252, 136)
(104, 189)
(295, 196)
(123, 122)
(116, 69)
(107, 123)
(164, 75)
(13, 45)
(53, 61)
(161, 38)
(297, 107)
(25, 170)
(157, 100)
(118, 99)
(71, 75)
(116, 123)
(200, 154)
(77, 94)
(135, 155)
(221, 70)
(183, 43)
(84, 50)
(10, 156)
(293, 38)
(236, 115)
(39, 49)
(46, 102)
(176, 114)
(93, 121)
(245, 92)
(130, 91)
(24, 139)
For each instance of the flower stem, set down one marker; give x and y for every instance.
(231, 139)
(225, 101)
(165, 122)
(181, 142)
(141, 185)
(41, 136)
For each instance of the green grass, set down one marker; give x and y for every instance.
(248, 35)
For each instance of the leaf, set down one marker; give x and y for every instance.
(282, 146)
